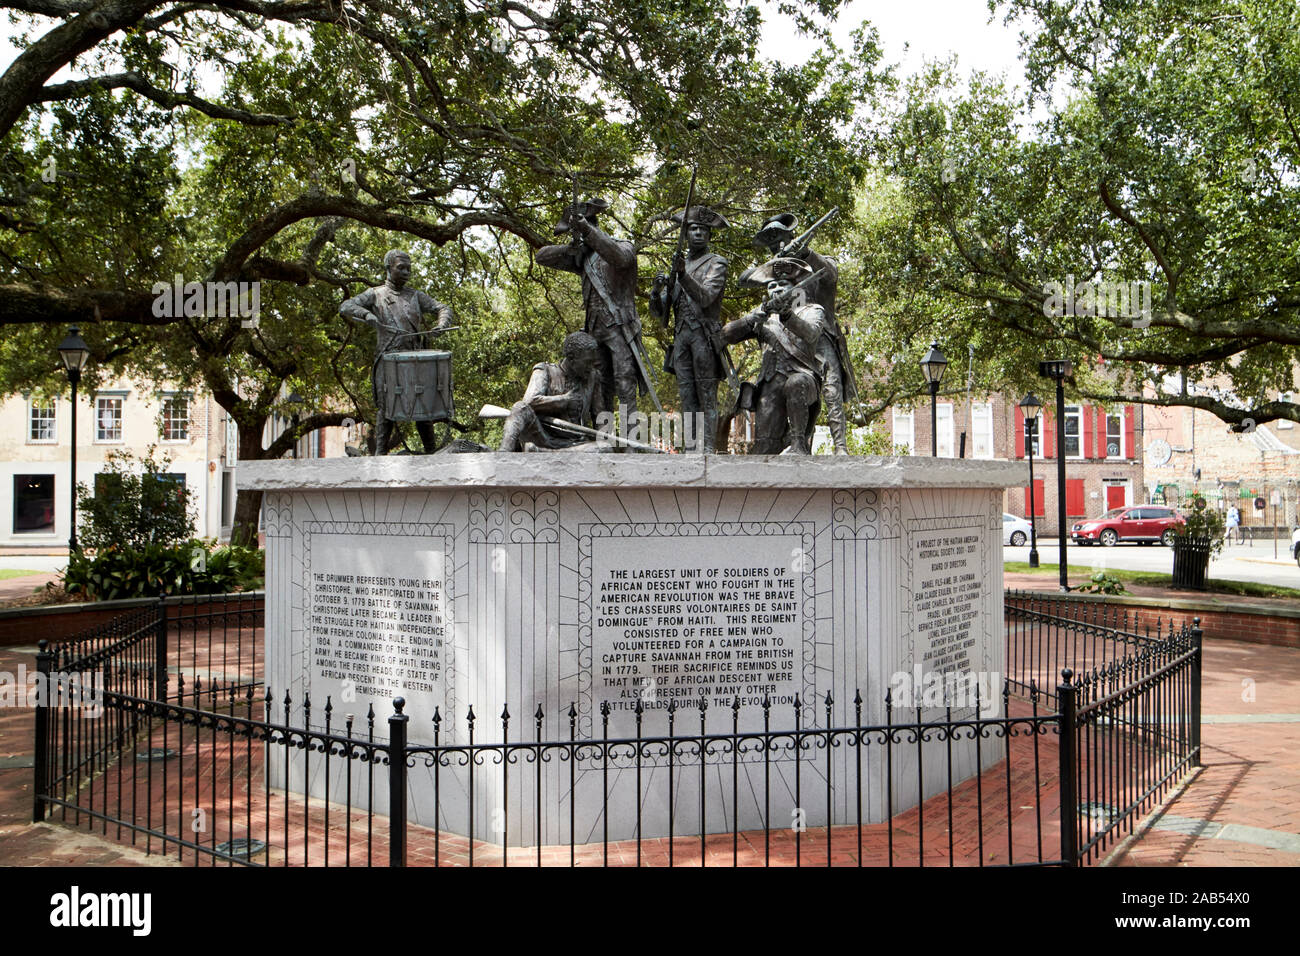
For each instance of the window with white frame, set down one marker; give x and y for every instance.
(108, 418)
(40, 422)
(902, 435)
(982, 427)
(1073, 431)
(1114, 436)
(176, 418)
(943, 425)
(1034, 436)
(1284, 423)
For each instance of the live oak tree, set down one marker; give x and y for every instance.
(1166, 153)
(290, 143)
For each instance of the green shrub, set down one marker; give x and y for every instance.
(869, 442)
(133, 504)
(1204, 522)
(1103, 583)
(153, 570)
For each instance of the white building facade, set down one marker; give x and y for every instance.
(36, 443)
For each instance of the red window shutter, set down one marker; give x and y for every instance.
(1020, 433)
(1129, 451)
(1038, 499)
(1047, 434)
(1074, 506)
(1089, 415)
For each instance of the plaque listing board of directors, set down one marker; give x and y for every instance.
(682, 617)
(377, 623)
(947, 597)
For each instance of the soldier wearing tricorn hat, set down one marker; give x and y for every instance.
(608, 270)
(840, 383)
(698, 353)
(790, 379)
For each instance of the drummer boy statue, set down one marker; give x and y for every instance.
(396, 313)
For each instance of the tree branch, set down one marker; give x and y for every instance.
(136, 82)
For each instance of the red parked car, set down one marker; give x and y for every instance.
(1142, 523)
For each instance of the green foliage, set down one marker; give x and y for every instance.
(1103, 583)
(133, 505)
(869, 442)
(154, 569)
(1206, 523)
(1159, 150)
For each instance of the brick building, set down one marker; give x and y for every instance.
(1234, 467)
(187, 426)
(1103, 453)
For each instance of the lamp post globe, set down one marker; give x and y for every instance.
(933, 365)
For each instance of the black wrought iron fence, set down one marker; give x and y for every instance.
(220, 772)
(1048, 633)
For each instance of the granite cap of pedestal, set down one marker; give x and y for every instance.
(501, 470)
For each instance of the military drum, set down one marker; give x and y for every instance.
(414, 386)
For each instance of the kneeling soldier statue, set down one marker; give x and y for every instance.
(790, 381)
(568, 392)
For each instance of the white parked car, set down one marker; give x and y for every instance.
(1015, 531)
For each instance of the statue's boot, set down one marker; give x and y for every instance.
(839, 431)
(798, 430)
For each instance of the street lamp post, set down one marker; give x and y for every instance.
(75, 354)
(933, 366)
(1058, 370)
(1032, 407)
(295, 400)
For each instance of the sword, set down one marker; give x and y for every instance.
(641, 367)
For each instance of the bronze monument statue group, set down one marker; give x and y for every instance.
(805, 358)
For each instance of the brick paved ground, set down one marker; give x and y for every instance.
(24, 585)
(1242, 809)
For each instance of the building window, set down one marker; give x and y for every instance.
(1114, 436)
(1073, 431)
(33, 504)
(943, 418)
(902, 432)
(1285, 423)
(982, 425)
(1034, 436)
(40, 422)
(176, 418)
(108, 419)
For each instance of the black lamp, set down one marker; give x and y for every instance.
(1058, 370)
(933, 366)
(75, 354)
(1032, 408)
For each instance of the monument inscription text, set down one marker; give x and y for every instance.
(946, 601)
(679, 618)
(377, 621)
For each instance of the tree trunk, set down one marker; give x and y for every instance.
(248, 507)
(248, 503)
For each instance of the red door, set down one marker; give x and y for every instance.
(1114, 496)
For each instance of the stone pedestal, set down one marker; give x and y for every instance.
(559, 581)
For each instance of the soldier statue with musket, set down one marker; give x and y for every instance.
(839, 385)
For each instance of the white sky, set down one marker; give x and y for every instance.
(911, 31)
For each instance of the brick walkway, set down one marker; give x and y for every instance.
(1242, 809)
(22, 586)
